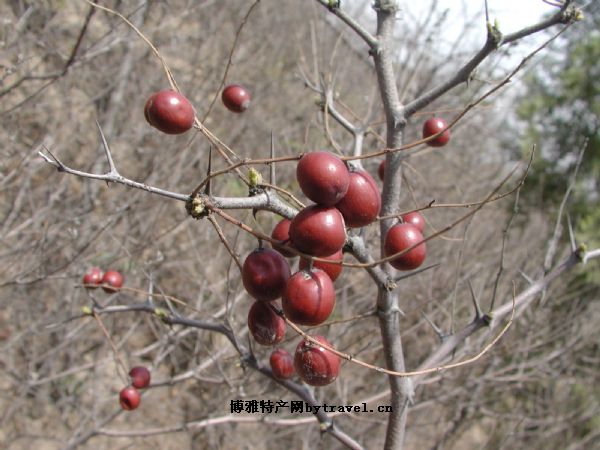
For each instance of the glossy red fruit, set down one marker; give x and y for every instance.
(92, 278)
(265, 274)
(399, 238)
(323, 177)
(434, 126)
(140, 377)
(281, 232)
(415, 218)
(169, 112)
(381, 170)
(361, 204)
(266, 327)
(318, 230)
(309, 297)
(112, 281)
(129, 398)
(282, 364)
(236, 98)
(333, 270)
(315, 365)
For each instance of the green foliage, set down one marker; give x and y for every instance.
(561, 109)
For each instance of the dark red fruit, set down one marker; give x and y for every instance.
(92, 278)
(361, 204)
(266, 326)
(323, 177)
(129, 398)
(309, 297)
(169, 112)
(315, 365)
(333, 270)
(399, 238)
(112, 281)
(265, 274)
(140, 377)
(434, 126)
(318, 230)
(415, 218)
(381, 170)
(236, 98)
(281, 232)
(282, 364)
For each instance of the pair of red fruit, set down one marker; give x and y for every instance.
(409, 233)
(172, 113)
(130, 396)
(110, 281)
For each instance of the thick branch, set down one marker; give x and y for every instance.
(493, 42)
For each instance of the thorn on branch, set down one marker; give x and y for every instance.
(440, 334)
(524, 275)
(478, 314)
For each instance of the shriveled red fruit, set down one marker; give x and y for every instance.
(318, 230)
(315, 365)
(323, 177)
(434, 126)
(169, 112)
(381, 170)
(265, 273)
(129, 398)
(282, 364)
(140, 377)
(415, 218)
(266, 327)
(361, 204)
(92, 278)
(112, 281)
(281, 232)
(309, 297)
(236, 98)
(399, 238)
(333, 270)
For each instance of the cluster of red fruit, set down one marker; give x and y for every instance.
(130, 396)
(343, 198)
(110, 281)
(172, 113)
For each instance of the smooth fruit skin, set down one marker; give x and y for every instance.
(361, 204)
(266, 327)
(92, 278)
(434, 126)
(323, 177)
(415, 218)
(309, 297)
(315, 365)
(333, 270)
(236, 98)
(381, 170)
(140, 377)
(169, 112)
(281, 232)
(265, 274)
(112, 281)
(318, 230)
(129, 398)
(282, 364)
(401, 237)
